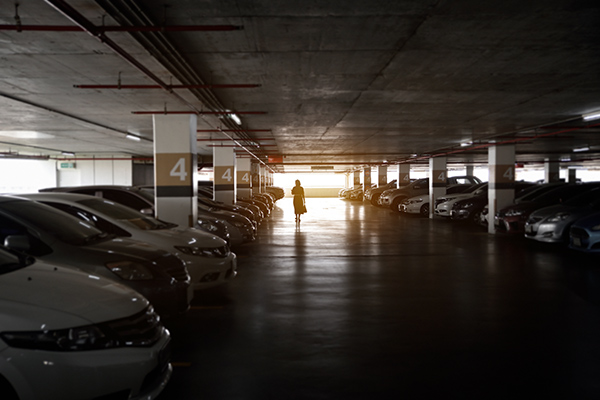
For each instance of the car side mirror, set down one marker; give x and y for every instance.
(17, 242)
(147, 211)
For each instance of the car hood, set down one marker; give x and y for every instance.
(189, 237)
(589, 221)
(120, 247)
(45, 296)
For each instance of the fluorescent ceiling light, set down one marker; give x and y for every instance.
(68, 153)
(465, 144)
(132, 137)
(25, 135)
(580, 149)
(591, 116)
(235, 118)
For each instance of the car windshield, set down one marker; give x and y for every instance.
(10, 261)
(125, 214)
(589, 198)
(53, 222)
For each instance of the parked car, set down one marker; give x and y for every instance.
(416, 205)
(585, 234)
(372, 194)
(471, 208)
(207, 257)
(552, 223)
(278, 192)
(394, 197)
(67, 335)
(444, 204)
(55, 236)
(142, 200)
(512, 219)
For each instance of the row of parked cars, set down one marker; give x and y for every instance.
(562, 213)
(87, 273)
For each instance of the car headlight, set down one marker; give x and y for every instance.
(74, 339)
(222, 251)
(130, 271)
(559, 217)
(596, 228)
(416, 201)
(240, 224)
(465, 205)
(513, 213)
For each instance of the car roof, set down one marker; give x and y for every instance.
(65, 196)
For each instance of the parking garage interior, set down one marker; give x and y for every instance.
(356, 301)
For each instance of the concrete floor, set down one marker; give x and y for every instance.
(360, 303)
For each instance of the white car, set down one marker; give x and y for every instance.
(444, 204)
(416, 205)
(208, 258)
(66, 334)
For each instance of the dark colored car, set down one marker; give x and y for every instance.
(372, 194)
(512, 219)
(470, 209)
(55, 236)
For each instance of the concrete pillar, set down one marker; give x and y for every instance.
(572, 175)
(263, 178)
(176, 168)
(501, 190)
(356, 179)
(225, 177)
(255, 172)
(382, 175)
(244, 178)
(470, 170)
(366, 178)
(403, 174)
(551, 170)
(437, 181)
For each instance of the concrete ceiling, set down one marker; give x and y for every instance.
(342, 83)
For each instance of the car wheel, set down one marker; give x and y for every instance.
(475, 217)
(374, 199)
(396, 204)
(424, 211)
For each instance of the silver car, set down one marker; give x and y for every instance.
(552, 224)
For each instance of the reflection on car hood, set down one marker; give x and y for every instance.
(192, 237)
(44, 296)
(129, 247)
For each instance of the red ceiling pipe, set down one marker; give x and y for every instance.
(233, 130)
(218, 86)
(102, 29)
(199, 112)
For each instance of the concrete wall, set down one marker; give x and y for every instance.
(26, 176)
(97, 172)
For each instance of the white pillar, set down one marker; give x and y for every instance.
(255, 178)
(501, 189)
(572, 175)
(403, 174)
(356, 179)
(244, 177)
(551, 170)
(437, 181)
(263, 178)
(367, 178)
(470, 170)
(176, 168)
(225, 177)
(382, 175)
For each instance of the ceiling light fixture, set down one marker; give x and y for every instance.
(591, 116)
(466, 144)
(132, 137)
(580, 149)
(67, 153)
(235, 118)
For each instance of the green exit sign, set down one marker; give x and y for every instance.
(66, 165)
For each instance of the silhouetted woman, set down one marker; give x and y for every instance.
(299, 204)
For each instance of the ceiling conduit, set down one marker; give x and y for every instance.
(78, 19)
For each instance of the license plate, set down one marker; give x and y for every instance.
(577, 242)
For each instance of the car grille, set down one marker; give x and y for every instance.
(173, 266)
(578, 232)
(140, 330)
